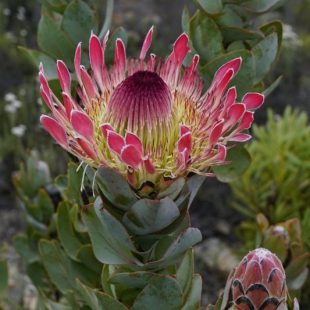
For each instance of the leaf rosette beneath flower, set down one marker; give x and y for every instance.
(147, 119)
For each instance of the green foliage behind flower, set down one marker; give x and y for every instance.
(285, 240)
(277, 183)
(274, 194)
(63, 25)
(4, 271)
(220, 30)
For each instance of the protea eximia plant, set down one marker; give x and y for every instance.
(147, 120)
(151, 135)
(258, 283)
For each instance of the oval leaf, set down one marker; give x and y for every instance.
(98, 300)
(137, 279)
(240, 161)
(163, 293)
(265, 53)
(206, 39)
(78, 22)
(54, 42)
(149, 216)
(110, 240)
(115, 188)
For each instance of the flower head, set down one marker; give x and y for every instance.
(259, 282)
(146, 118)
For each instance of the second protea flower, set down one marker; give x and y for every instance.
(259, 282)
(147, 119)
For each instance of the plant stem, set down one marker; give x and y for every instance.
(108, 18)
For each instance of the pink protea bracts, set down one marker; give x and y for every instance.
(259, 282)
(147, 119)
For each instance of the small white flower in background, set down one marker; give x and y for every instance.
(13, 104)
(16, 103)
(20, 16)
(9, 108)
(19, 130)
(9, 97)
(21, 13)
(22, 91)
(7, 12)
(39, 101)
(290, 38)
(10, 35)
(23, 32)
(21, 10)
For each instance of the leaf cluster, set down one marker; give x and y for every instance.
(63, 25)
(277, 182)
(274, 193)
(223, 30)
(105, 260)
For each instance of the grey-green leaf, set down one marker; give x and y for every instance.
(110, 240)
(265, 53)
(138, 279)
(193, 300)
(54, 41)
(185, 272)
(115, 188)
(78, 22)
(66, 232)
(149, 216)
(162, 293)
(37, 57)
(207, 40)
(240, 161)
(98, 300)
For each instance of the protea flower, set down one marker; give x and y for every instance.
(259, 282)
(147, 119)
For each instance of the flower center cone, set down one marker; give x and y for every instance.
(142, 104)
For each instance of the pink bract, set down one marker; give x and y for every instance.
(145, 117)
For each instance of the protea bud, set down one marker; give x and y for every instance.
(147, 120)
(259, 282)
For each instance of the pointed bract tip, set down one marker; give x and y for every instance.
(183, 37)
(183, 129)
(147, 43)
(105, 127)
(106, 36)
(55, 129)
(253, 100)
(92, 38)
(181, 42)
